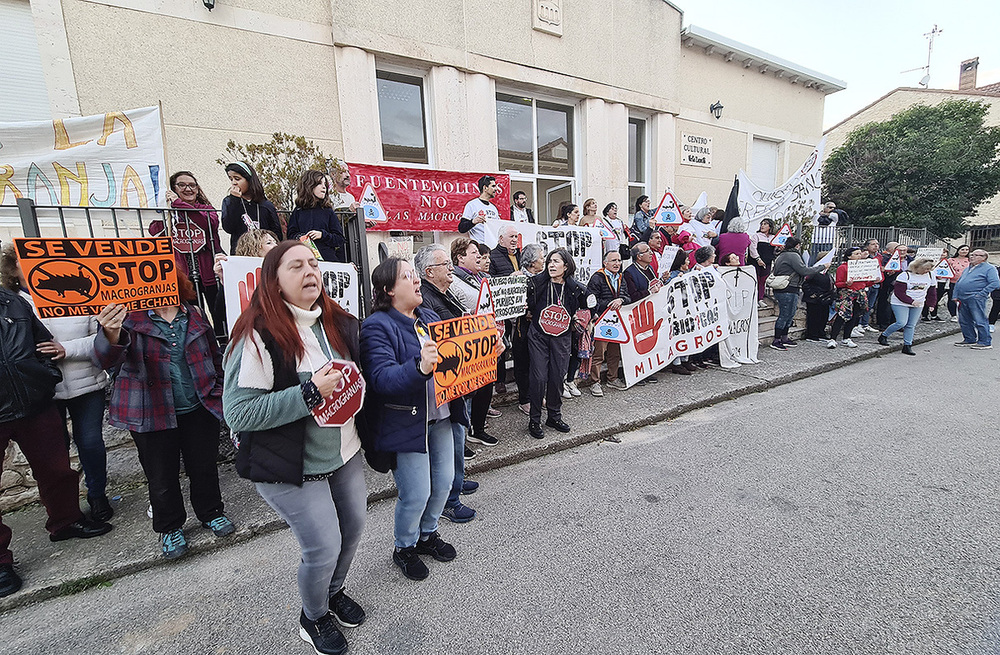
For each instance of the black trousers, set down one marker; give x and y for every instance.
(502, 357)
(519, 346)
(481, 399)
(549, 358)
(883, 312)
(196, 438)
(816, 315)
(847, 326)
(573, 368)
(995, 309)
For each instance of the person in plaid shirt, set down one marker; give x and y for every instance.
(168, 394)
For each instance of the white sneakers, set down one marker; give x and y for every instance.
(857, 332)
(571, 387)
(831, 344)
(871, 329)
(596, 390)
(850, 344)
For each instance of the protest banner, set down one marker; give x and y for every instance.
(240, 276)
(583, 243)
(112, 159)
(345, 402)
(509, 296)
(79, 277)
(687, 316)
(421, 199)
(863, 270)
(795, 200)
(932, 253)
(467, 349)
(741, 346)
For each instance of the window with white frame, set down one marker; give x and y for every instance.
(402, 117)
(24, 97)
(536, 147)
(637, 176)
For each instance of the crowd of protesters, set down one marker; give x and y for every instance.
(172, 385)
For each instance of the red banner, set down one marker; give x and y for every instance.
(421, 199)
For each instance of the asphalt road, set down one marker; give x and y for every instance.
(853, 512)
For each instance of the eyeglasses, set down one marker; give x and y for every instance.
(184, 185)
(448, 264)
(408, 275)
(977, 255)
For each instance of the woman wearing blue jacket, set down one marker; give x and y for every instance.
(399, 358)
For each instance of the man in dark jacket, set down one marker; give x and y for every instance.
(505, 260)
(29, 418)
(520, 211)
(640, 279)
(433, 264)
(608, 286)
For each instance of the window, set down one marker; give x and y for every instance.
(535, 142)
(764, 163)
(636, 161)
(402, 118)
(25, 97)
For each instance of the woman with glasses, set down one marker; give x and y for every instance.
(399, 360)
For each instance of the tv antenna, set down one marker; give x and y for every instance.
(926, 79)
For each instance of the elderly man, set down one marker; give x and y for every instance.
(608, 286)
(341, 180)
(640, 280)
(504, 260)
(532, 262)
(971, 291)
(434, 266)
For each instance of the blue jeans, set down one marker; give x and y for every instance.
(458, 433)
(906, 318)
(87, 414)
(788, 302)
(424, 481)
(972, 319)
(872, 299)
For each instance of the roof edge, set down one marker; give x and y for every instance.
(967, 92)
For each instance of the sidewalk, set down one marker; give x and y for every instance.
(50, 569)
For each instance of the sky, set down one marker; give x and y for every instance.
(863, 43)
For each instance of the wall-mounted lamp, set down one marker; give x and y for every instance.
(209, 4)
(716, 109)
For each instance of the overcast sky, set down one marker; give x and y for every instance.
(865, 43)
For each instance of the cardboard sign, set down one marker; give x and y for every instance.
(467, 347)
(554, 320)
(666, 258)
(79, 277)
(742, 344)
(484, 304)
(668, 212)
(189, 238)
(782, 235)
(607, 234)
(345, 402)
(508, 296)
(611, 327)
(240, 275)
(895, 262)
(863, 270)
(944, 271)
(372, 206)
(932, 253)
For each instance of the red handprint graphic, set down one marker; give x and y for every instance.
(247, 288)
(644, 331)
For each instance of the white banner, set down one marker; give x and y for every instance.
(863, 270)
(687, 316)
(798, 199)
(740, 347)
(240, 276)
(583, 243)
(113, 159)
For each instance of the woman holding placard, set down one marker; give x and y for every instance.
(911, 290)
(293, 392)
(553, 299)
(400, 359)
(852, 300)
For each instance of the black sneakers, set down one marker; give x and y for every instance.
(347, 612)
(325, 637)
(436, 547)
(409, 563)
(483, 437)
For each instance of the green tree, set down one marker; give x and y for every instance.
(278, 163)
(924, 167)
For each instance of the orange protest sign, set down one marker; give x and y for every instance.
(467, 347)
(79, 277)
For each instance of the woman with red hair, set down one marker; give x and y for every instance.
(168, 394)
(279, 368)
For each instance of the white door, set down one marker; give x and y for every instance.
(764, 163)
(24, 96)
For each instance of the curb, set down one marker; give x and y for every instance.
(247, 532)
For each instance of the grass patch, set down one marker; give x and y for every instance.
(76, 586)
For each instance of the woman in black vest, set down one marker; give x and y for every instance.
(280, 379)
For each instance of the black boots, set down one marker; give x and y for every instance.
(883, 340)
(908, 349)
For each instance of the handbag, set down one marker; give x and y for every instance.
(777, 282)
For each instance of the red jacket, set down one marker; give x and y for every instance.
(841, 280)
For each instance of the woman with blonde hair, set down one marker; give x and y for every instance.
(589, 213)
(912, 288)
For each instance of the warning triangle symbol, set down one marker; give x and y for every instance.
(606, 233)
(371, 205)
(484, 305)
(611, 327)
(944, 271)
(894, 263)
(782, 235)
(668, 212)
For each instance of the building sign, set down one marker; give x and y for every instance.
(422, 199)
(112, 159)
(696, 150)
